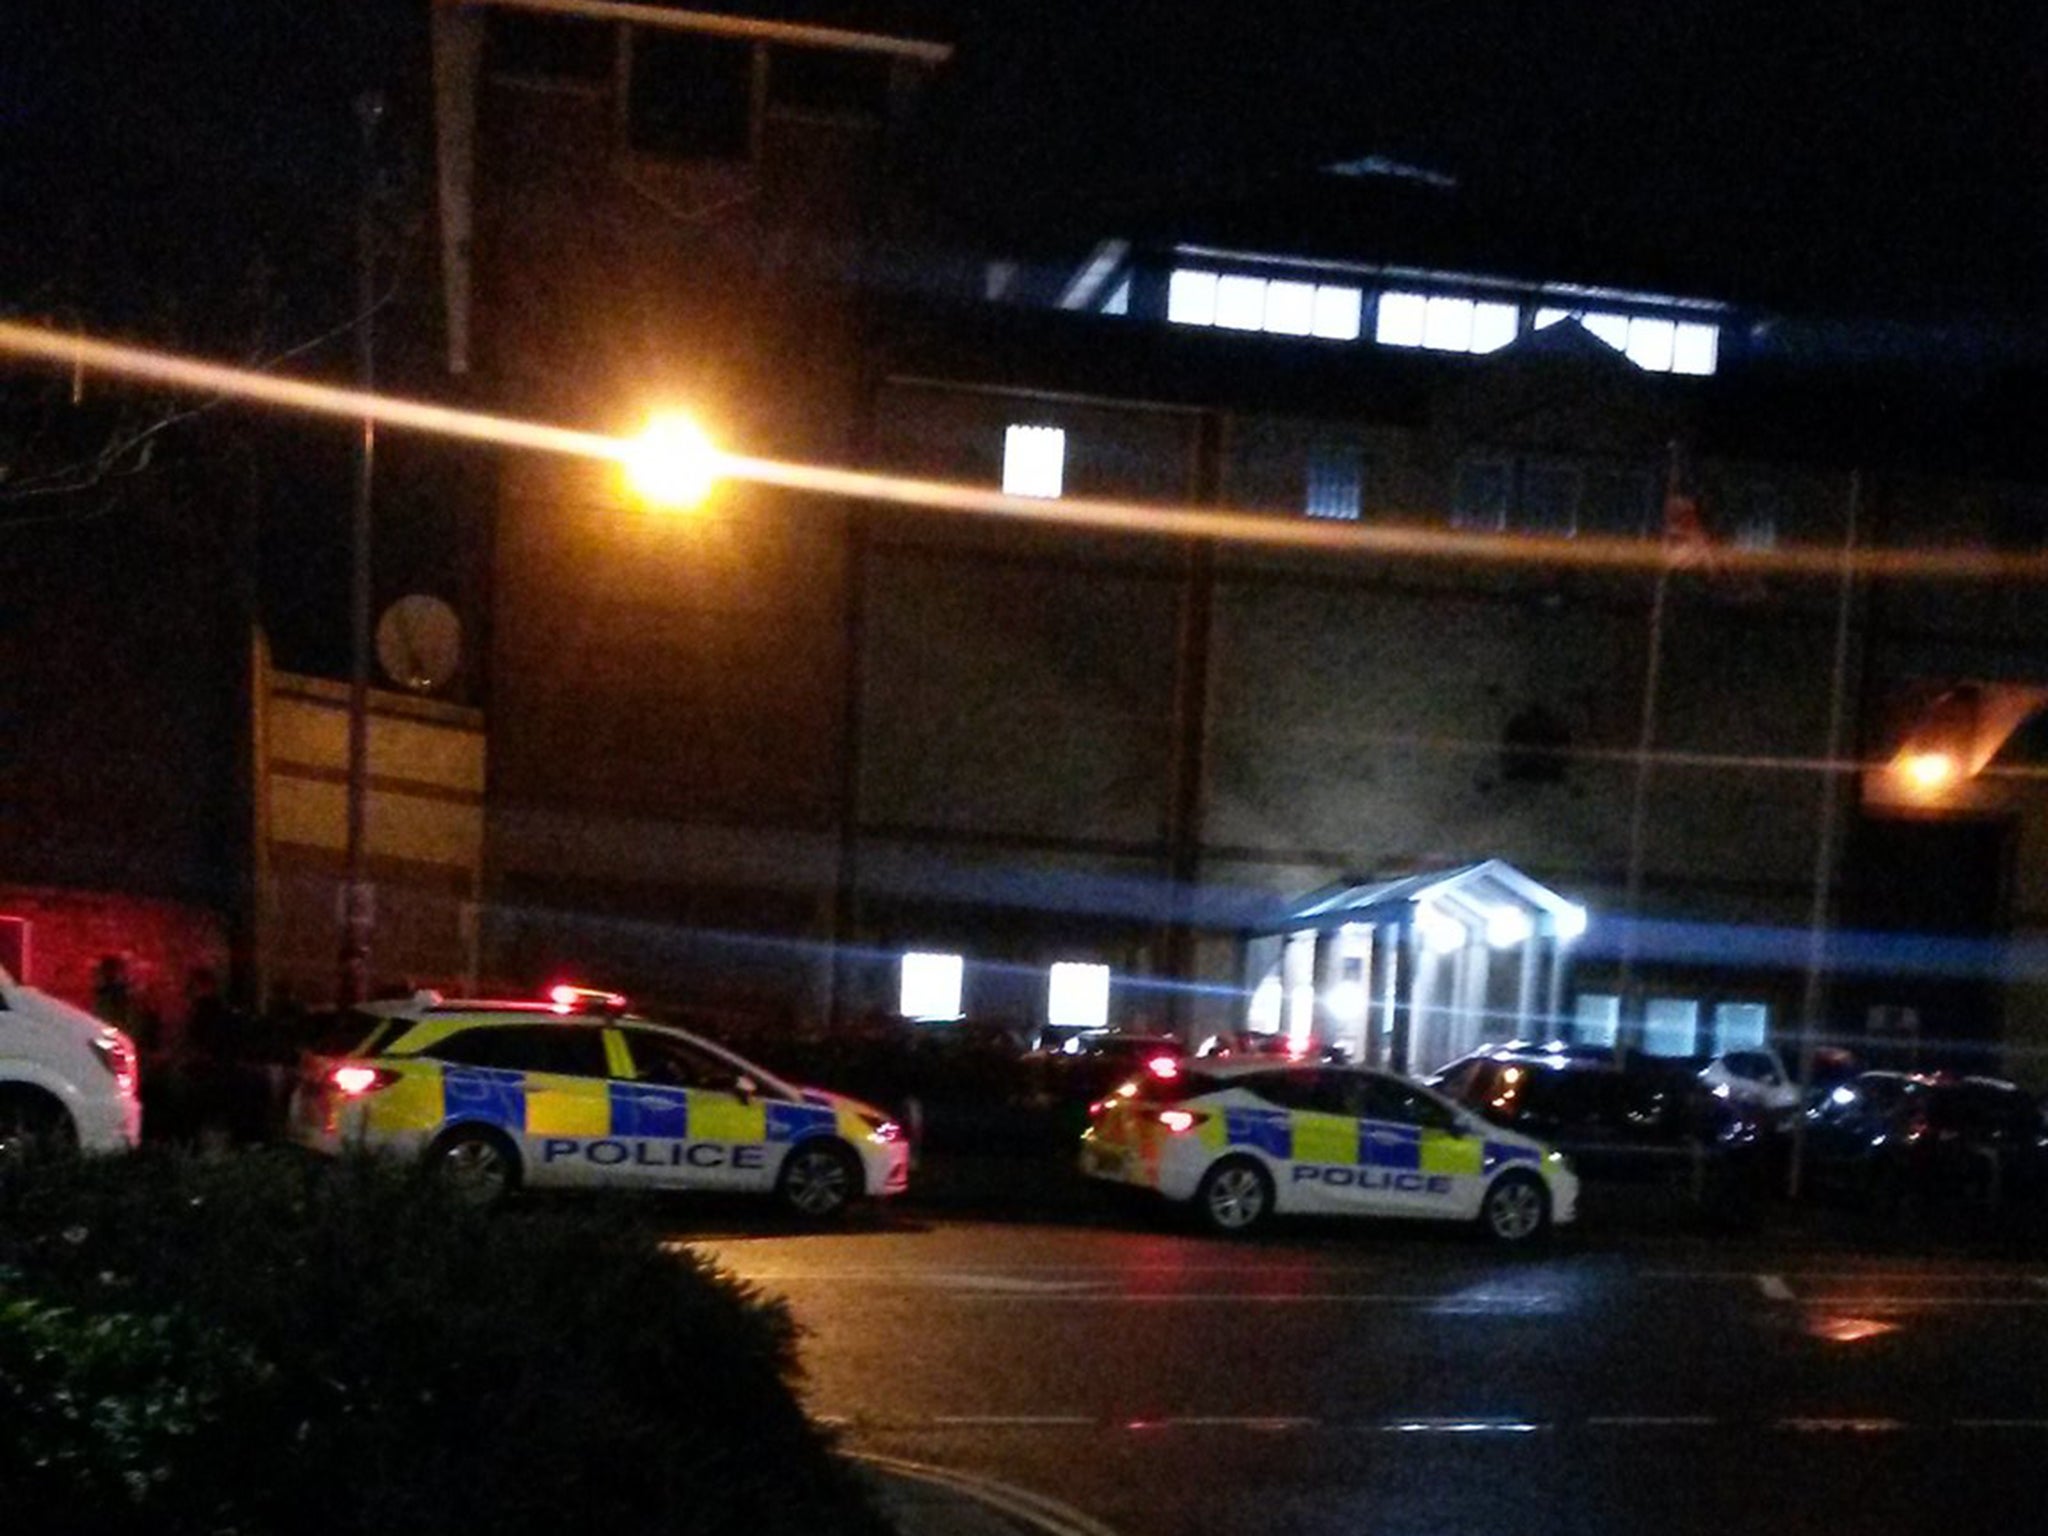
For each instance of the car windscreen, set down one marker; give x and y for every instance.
(342, 1032)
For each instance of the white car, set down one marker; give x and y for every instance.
(1757, 1079)
(1240, 1141)
(67, 1079)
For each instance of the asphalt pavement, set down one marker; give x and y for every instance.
(1648, 1373)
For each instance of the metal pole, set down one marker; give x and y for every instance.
(351, 983)
(1824, 850)
(1646, 737)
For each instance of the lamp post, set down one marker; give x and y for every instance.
(357, 917)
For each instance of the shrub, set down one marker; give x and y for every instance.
(365, 1353)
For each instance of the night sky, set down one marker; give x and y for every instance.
(187, 172)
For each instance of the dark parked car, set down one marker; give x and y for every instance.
(1903, 1141)
(1647, 1118)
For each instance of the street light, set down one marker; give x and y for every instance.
(1930, 772)
(352, 983)
(672, 463)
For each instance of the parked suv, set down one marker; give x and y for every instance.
(67, 1079)
(1648, 1118)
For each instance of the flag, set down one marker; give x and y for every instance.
(1687, 544)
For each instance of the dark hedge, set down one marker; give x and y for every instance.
(259, 1343)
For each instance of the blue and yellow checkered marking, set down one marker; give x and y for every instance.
(793, 1122)
(493, 1095)
(647, 1109)
(1307, 1137)
(1270, 1131)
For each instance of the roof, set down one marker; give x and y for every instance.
(1477, 889)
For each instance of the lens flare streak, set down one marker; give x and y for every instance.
(76, 354)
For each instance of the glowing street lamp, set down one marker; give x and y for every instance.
(1930, 772)
(672, 463)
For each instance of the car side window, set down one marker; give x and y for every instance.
(676, 1064)
(1325, 1093)
(564, 1050)
(1387, 1099)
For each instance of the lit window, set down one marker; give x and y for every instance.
(1401, 319)
(1034, 461)
(1280, 307)
(1077, 996)
(1191, 297)
(1291, 309)
(1695, 349)
(1241, 303)
(1741, 1026)
(1612, 329)
(1337, 312)
(1546, 318)
(1596, 1018)
(930, 988)
(1650, 343)
(1336, 483)
(1494, 326)
(1119, 301)
(1671, 1026)
(1447, 325)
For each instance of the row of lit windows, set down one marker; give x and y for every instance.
(930, 991)
(1672, 1026)
(1491, 495)
(1436, 322)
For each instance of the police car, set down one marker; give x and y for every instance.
(1243, 1140)
(577, 1093)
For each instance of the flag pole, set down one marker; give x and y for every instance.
(1646, 740)
(1824, 848)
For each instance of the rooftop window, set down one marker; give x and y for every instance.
(1654, 345)
(1284, 307)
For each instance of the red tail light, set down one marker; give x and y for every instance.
(1180, 1121)
(117, 1054)
(355, 1081)
(1166, 1068)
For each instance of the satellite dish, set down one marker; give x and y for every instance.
(419, 643)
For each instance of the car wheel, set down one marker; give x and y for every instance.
(820, 1181)
(34, 1128)
(475, 1164)
(1235, 1196)
(1516, 1210)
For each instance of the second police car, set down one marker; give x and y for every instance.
(1240, 1141)
(577, 1093)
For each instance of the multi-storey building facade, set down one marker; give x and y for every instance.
(765, 753)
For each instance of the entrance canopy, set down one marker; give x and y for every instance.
(1415, 970)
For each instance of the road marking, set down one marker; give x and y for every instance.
(1449, 1424)
(1036, 1511)
(1651, 1421)
(1774, 1287)
(1010, 1285)
(1899, 1303)
(1843, 1426)
(1011, 1420)
(2001, 1423)
(1460, 1427)
(1809, 1276)
(1265, 1425)
(1450, 1305)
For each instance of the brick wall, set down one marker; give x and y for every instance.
(162, 941)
